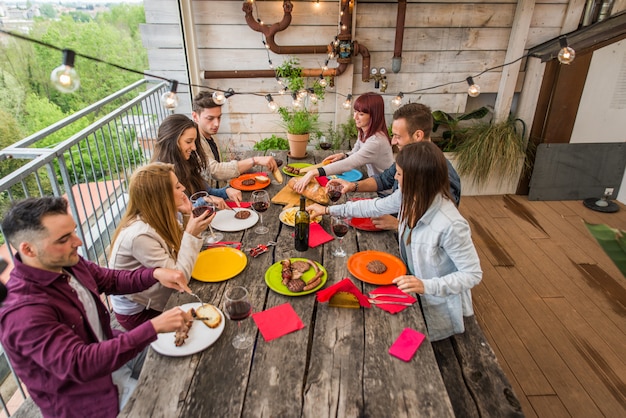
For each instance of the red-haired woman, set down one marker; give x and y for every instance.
(372, 149)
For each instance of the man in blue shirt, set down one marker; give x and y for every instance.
(412, 122)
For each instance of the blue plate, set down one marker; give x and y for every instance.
(352, 175)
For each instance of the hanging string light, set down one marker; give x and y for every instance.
(169, 100)
(566, 54)
(347, 104)
(271, 103)
(396, 102)
(296, 102)
(219, 97)
(64, 77)
(474, 89)
(322, 82)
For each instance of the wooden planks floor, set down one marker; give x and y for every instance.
(551, 303)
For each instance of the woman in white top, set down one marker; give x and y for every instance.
(372, 149)
(435, 240)
(150, 235)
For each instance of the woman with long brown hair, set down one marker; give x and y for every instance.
(372, 149)
(177, 143)
(435, 240)
(150, 235)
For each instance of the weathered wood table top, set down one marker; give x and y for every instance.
(337, 366)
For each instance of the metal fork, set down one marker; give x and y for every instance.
(389, 295)
(392, 302)
(197, 297)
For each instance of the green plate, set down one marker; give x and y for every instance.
(296, 165)
(274, 279)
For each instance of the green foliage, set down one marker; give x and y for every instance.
(340, 137)
(291, 71)
(492, 150)
(47, 11)
(273, 142)
(612, 241)
(456, 132)
(298, 121)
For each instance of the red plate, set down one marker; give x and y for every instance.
(236, 182)
(364, 224)
(357, 265)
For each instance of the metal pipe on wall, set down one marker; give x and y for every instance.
(396, 61)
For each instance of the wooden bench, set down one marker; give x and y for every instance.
(475, 382)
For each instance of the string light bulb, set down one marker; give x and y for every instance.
(566, 54)
(322, 81)
(64, 77)
(347, 104)
(474, 89)
(296, 102)
(219, 97)
(396, 102)
(271, 103)
(169, 100)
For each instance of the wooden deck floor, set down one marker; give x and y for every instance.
(552, 304)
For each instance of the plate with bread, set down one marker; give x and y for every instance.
(206, 325)
(250, 181)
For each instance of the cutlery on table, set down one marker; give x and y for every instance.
(389, 302)
(197, 297)
(388, 295)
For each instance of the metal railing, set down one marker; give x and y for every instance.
(90, 167)
(88, 158)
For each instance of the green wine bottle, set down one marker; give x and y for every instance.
(302, 227)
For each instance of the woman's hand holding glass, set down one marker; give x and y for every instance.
(198, 224)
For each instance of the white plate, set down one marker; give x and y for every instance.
(282, 214)
(200, 337)
(225, 220)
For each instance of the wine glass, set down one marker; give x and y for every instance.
(202, 203)
(339, 225)
(237, 307)
(261, 203)
(324, 143)
(333, 190)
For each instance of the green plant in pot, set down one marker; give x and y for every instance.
(299, 124)
(492, 150)
(457, 129)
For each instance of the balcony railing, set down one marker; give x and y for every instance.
(90, 167)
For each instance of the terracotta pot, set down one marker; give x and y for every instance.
(297, 145)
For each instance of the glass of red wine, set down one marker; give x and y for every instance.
(237, 307)
(333, 190)
(339, 225)
(201, 202)
(261, 203)
(324, 143)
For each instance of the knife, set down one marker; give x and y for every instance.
(389, 302)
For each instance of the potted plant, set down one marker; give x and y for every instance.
(457, 129)
(271, 143)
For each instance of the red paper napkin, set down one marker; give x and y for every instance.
(277, 321)
(392, 290)
(345, 285)
(317, 235)
(407, 344)
(322, 180)
(232, 204)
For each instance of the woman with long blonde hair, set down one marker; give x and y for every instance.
(150, 235)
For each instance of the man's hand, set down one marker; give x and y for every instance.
(346, 186)
(174, 279)
(386, 222)
(169, 321)
(234, 195)
(316, 210)
(267, 161)
(301, 184)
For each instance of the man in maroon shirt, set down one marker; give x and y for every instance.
(54, 327)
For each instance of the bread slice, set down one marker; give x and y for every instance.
(278, 175)
(262, 179)
(209, 314)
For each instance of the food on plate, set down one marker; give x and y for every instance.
(262, 179)
(242, 214)
(292, 170)
(277, 174)
(289, 217)
(181, 335)
(312, 191)
(292, 273)
(376, 267)
(208, 314)
(248, 182)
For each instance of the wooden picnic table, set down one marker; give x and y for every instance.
(336, 366)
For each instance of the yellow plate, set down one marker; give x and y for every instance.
(219, 264)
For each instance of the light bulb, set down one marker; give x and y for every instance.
(396, 102)
(219, 97)
(322, 81)
(271, 103)
(313, 97)
(295, 102)
(64, 77)
(474, 89)
(169, 100)
(566, 54)
(302, 94)
(347, 104)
